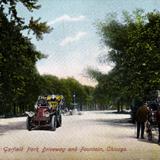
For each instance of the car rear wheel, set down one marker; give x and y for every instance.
(28, 124)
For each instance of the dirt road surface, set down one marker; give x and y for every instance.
(96, 135)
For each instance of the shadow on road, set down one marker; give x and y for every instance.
(111, 112)
(17, 126)
(12, 126)
(153, 141)
(125, 122)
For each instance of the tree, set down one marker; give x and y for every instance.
(19, 79)
(17, 67)
(75, 88)
(134, 49)
(67, 87)
(89, 100)
(108, 92)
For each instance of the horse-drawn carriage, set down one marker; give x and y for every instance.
(47, 113)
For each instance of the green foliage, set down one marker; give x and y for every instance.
(18, 75)
(67, 87)
(38, 28)
(74, 87)
(9, 8)
(20, 83)
(134, 49)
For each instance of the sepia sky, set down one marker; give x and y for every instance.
(74, 44)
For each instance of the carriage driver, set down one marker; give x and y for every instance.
(141, 118)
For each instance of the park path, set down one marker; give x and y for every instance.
(95, 135)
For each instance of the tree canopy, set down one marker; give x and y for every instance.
(17, 64)
(9, 9)
(19, 79)
(134, 49)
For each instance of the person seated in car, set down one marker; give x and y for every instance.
(52, 102)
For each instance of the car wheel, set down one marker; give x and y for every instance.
(28, 124)
(53, 123)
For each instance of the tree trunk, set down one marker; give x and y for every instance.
(118, 108)
(80, 107)
(14, 109)
(121, 108)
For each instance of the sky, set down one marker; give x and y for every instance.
(74, 44)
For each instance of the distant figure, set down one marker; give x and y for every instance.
(66, 110)
(141, 118)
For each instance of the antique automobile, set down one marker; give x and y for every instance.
(47, 113)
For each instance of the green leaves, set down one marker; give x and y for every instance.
(67, 87)
(38, 28)
(9, 8)
(135, 51)
(30, 4)
(18, 76)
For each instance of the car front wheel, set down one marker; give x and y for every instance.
(28, 124)
(53, 123)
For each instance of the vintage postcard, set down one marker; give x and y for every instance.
(79, 80)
